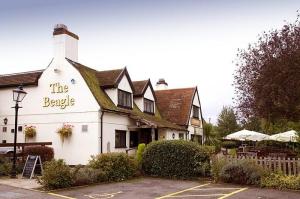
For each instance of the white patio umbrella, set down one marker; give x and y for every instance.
(247, 135)
(288, 136)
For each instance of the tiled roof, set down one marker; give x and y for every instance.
(109, 77)
(92, 80)
(25, 79)
(139, 87)
(175, 104)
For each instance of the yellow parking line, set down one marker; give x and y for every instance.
(203, 195)
(175, 193)
(232, 193)
(217, 188)
(61, 196)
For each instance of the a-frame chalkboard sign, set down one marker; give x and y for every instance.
(32, 166)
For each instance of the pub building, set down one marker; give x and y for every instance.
(107, 111)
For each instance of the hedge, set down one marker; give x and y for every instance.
(117, 166)
(46, 153)
(176, 159)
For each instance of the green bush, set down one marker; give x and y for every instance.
(5, 167)
(45, 152)
(117, 166)
(83, 175)
(176, 159)
(216, 166)
(229, 144)
(56, 174)
(140, 151)
(280, 181)
(242, 172)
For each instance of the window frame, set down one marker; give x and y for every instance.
(119, 99)
(124, 144)
(198, 112)
(152, 103)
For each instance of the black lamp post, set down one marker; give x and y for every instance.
(18, 96)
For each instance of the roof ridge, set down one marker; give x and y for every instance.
(22, 73)
(177, 89)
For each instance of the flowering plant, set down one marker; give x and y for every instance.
(30, 131)
(65, 131)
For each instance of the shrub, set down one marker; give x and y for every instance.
(176, 159)
(117, 166)
(5, 167)
(56, 175)
(280, 181)
(216, 166)
(83, 175)
(242, 172)
(229, 144)
(45, 152)
(140, 151)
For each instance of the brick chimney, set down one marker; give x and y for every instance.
(161, 84)
(65, 43)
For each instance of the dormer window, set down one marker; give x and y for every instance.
(196, 111)
(148, 106)
(124, 99)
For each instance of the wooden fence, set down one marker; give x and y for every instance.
(288, 166)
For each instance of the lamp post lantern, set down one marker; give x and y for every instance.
(18, 96)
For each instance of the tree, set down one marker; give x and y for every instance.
(267, 81)
(227, 121)
(211, 136)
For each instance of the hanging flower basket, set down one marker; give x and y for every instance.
(30, 131)
(65, 131)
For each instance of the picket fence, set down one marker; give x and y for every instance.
(288, 166)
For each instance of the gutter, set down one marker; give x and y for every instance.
(101, 130)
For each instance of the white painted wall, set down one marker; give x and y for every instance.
(193, 129)
(49, 119)
(167, 134)
(113, 92)
(111, 123)
(139, 101)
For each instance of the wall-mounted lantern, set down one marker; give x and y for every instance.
(5, 120)
(173, 135)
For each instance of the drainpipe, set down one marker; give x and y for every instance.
(101, 131)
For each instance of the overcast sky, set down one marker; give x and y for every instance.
(187, 42)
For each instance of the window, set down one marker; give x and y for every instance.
(3, 141)
(4, 129)
(148, 106)
(12, 130)
(120, 139)
(84, 128)
(181, 136)
(20, 128)
(124, 99)
(196, 111)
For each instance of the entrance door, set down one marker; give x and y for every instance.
(134, 139)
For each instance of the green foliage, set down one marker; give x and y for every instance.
(46, 153)
(176, 159)
(227, 121)
(216, 166)
(140, 151)
(280, 181)
(84, 175)
(56, 175)
(242, 172)
(117, 166)
(5, 167)
(211, 136)
(229, 144)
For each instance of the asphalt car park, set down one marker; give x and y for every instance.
(154, 188)
(151, 188)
